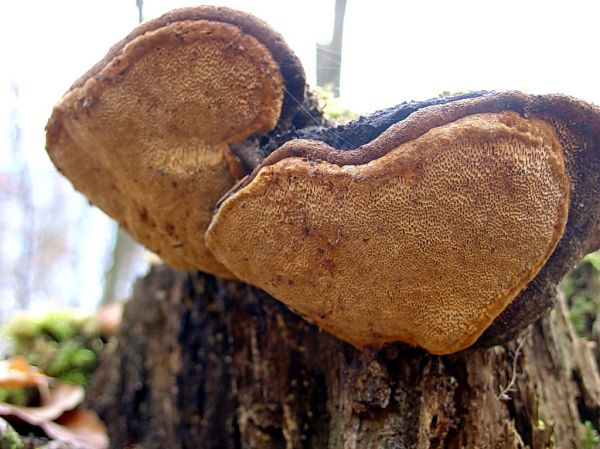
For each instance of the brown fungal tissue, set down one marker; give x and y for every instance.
(452, 224)
(425, 245)
(145, 133)
(430, 232)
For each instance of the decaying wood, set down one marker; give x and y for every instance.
(207, 363)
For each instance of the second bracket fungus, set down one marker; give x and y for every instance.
(145, 133)
(435, 223)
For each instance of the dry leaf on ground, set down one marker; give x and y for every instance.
(17, 373)
(58, 419)
(82, 428)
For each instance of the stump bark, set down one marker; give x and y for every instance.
(206, 363)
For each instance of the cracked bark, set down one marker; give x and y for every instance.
(207, 363)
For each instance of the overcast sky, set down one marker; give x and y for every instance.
(392, 51)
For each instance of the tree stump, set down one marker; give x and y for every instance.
(207, 363)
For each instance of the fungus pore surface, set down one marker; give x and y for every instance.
(439, 221)
(426, 243)
(144, 135)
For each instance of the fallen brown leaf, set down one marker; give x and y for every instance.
(58, 419)
(62, 397)
(17, 373)
(82, 428)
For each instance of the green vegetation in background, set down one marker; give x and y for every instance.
(9, 439)
(16, 396)
(590, 439)
(61, 344)
(330, 104)
(582, 291)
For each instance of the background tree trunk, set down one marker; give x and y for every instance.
(329, 55)
(126, 254)
(207, 363)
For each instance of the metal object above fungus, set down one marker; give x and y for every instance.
(145, 133)
(429, 232)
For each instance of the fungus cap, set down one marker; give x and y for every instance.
(458, 220)
(145, 133)
(424, 235)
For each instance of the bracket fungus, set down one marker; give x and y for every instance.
(144, 134)
(429, 232)
(436, 223)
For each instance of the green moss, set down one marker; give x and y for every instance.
(582, 291)
(9, 439)
(56, 326)
(594, 260)
(590, 439)
(61, 344)
(17, 396)
(331, 106)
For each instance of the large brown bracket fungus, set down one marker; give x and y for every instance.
(145, 133)
(434, 223)
(429, 232)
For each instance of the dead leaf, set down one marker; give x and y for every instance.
(58, 419)
(82, 428)
(62, 397)
(17, 373)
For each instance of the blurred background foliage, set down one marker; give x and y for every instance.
(582, 292)
(333, 109)
(65, 345)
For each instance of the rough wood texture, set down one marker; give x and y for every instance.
(207, 363)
